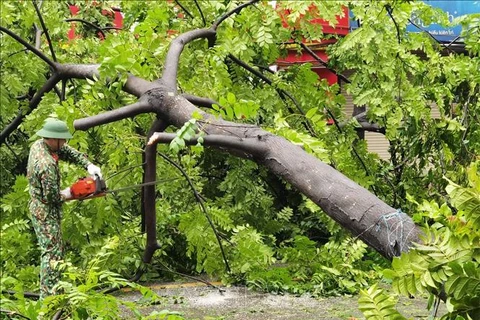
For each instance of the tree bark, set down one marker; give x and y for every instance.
(382, 227)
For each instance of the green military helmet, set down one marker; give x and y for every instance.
(56, 129)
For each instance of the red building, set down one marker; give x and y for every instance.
(341, 28)
(115, 14)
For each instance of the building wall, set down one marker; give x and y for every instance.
(376, 142)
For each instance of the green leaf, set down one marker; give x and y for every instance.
(231, 98)
(375, 304)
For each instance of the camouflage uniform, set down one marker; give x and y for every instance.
(46, 207)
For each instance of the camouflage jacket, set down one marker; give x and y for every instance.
(43, 174)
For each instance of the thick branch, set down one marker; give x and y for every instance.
(49, 85)
(134, 85)
(114, 115)
(29, 47)
(170, 68)
(351, 205)
(78, 71)
(249, 146)
(364, 123)
(149, 218)
(199, 101)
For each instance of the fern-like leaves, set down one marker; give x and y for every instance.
(376, 305)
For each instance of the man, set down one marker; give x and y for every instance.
(46, 198)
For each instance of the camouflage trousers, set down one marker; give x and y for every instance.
(46, 221)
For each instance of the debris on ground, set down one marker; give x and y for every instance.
(202, 302)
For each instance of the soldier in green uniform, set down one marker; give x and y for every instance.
(46, 198)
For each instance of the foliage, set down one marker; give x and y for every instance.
(274, 238)
(80, 297)
(401, 88)
(333, 269)
(448, 262)
(18, 253)
(375, 304)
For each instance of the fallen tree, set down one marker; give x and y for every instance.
(147, 108)
(386, 229)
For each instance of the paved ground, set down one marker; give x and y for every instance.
(197, 301)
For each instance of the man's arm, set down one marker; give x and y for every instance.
(71, 155)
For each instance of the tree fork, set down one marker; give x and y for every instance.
(385, 229)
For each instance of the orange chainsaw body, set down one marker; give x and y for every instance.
(86, 188)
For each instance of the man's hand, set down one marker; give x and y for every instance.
(94, 171)
(66, 194)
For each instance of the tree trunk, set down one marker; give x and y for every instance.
(382, 227)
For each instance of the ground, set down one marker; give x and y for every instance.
(200, 302)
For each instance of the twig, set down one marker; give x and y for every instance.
(431, 36)
(13, 152)
(11, 314)
(184, 9)
(27, 45)
(201, 13)
(202, 206)
(87, 23)
(111, 28)
(228, 14)
(324, 63)
(49, 85)
(190, 277)
(337, 125)
(281, 92)
(14, 53)
(45, 30)
(390, 14)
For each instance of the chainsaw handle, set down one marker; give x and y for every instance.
(100, 185)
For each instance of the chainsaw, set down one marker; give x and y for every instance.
(87, 188)
(93, 187)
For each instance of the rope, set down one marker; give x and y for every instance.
(395, 236)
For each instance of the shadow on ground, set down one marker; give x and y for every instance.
(198, 301)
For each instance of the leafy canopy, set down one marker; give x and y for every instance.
(275, 239)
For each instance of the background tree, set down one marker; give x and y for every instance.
(138, 79)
